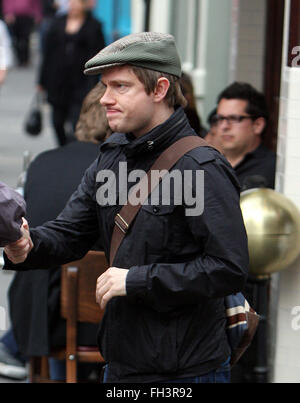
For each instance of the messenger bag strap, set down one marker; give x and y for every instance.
(147, 184)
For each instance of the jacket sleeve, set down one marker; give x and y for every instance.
(70, 236)
(220, 268)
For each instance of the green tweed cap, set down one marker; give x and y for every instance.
(150, 50)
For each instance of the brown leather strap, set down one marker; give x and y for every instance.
(164, 162)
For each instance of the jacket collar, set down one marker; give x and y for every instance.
(157, 139)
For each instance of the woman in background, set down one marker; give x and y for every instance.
(187, 89)
(71, 40)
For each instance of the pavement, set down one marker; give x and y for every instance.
(15, 98)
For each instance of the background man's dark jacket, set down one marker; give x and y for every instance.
(34, 295)
(257, 168)
(172, 321)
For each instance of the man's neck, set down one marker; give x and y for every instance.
(160, 117)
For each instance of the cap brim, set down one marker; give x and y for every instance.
(92, 71)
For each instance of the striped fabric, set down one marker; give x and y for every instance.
(242, 322)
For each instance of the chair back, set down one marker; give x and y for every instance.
(78, 282)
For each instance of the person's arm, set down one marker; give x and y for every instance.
(49, 53)
(219, 270)
(67, 238)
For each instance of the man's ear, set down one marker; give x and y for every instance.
(161, 89)
(259, 125)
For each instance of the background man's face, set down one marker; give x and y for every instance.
(238, 137)
(128, 107)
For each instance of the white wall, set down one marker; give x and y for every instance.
(160, 15)
(137, 15)
(287, 348)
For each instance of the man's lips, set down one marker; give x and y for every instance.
(110, 112)
(227, 137)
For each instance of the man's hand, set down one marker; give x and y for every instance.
(110, 284)
(18, 251)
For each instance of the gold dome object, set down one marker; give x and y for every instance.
(272, 223)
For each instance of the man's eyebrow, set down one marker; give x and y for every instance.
(117, 81)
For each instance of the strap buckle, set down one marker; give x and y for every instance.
(121, 223)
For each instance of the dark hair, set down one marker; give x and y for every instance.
(257, 105)
(191, 112)
(149, 79)
(211, 117)
(187, 89)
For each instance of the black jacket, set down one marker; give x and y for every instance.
(172, 321)
(61, 72)
(259, 164)
(34, 295)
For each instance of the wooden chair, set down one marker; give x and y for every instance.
(78, 304)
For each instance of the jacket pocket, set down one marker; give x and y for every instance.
(161, 226)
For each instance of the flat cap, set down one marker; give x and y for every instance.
(12, 209)
(149, 50)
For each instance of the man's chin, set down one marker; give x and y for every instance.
(115, 128)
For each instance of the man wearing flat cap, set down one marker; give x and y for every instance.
(164, 295)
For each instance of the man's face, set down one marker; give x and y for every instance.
(238, 137)
(128, 107)
(76, 6)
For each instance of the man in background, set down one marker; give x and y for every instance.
(242, 119)
(241, 122)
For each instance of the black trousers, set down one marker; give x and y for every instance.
(64, 119)
(20, 32)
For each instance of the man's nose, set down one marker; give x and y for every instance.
(106, 99)
(223, 124)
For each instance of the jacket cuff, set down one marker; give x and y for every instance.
(8, 265)
(136, 281)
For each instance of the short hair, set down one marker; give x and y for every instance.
(92, 124)
(256, 107)
(149, 78)
(211, 119)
